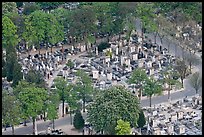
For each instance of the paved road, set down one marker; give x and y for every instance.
(41, 126)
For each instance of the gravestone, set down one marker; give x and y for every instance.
(117, 50)
(127, 61)
(107, 59)
(109, 75)
(170, 128)
(140, 63)
(180, 115)
(181, 129)
(95, 74)
(132, 49)
(135, 56)
(173, 117)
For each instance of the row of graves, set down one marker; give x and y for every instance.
(181, 117)
(107, 70)
(46, 63)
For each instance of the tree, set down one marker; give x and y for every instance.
(145, 12)
(82, 23)
(152, 87)
(17, 90)
(138, 77)
(28, 8)
(168, 75)
(196, 81)
(33, 98)
(70, 64)
(10, 110)
(36, 77)
(38, 22)
(54, 31)
(9, 36)
(18, 21)
(78, 120)
(19, 4)
(10, 61)
(28, 34)
(191, 60)
(123, 128)
(84, 86)
(52, 107)
(47, 6)
(181, 68)
(72, 101)
(63, 90)
(17, 74)
(9, 7)
(141, 121)
(111, 105)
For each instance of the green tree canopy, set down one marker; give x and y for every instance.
(111, 105)
(78, 120)
(36, 77)
(28, 8)
(9, 30)
(141, 120)
(10, 110)
(152, 87)
(17, 74)
(9, 7)
(123, 128)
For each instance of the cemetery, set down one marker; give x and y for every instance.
(75, 63)
(180, 117)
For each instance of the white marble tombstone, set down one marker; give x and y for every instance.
(154, 123)
(153, 59)
(127, 61)
(95, 74)
(140, 40)
(132, 49)
(146, 55)
(181, 129)
(173, 117)
(83, 48)
(109, 75)
(116, 51)
(72, 48)
(108, 64)
(170, 128)
(96, 51)
(151, 71)
(107, 59)
(116, 57)
(149, 64)
(160, 68)
(58, 59)
(120, 44)
(154, 113)
(140, 63)
(122, 59)
(135, 56)
(180, 115)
